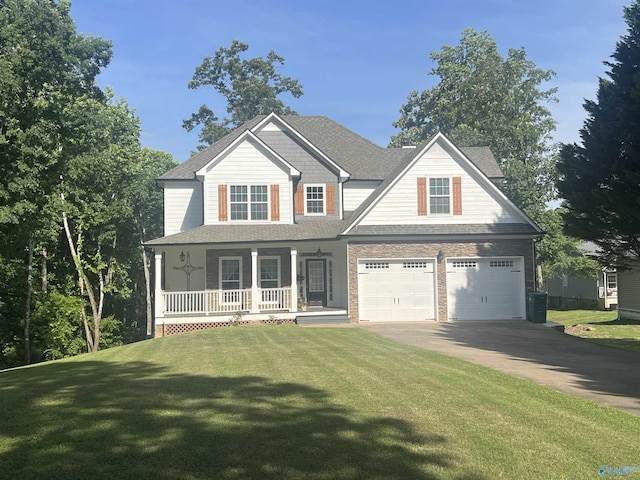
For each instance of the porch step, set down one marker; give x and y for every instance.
(322, 319)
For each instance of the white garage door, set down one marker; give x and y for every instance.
(396, 290)
(485, 288)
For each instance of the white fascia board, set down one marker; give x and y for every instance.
(344, 175)
(248, 135)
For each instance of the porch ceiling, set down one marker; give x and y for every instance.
(321, 229)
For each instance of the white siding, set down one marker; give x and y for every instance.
(399, 205)
(247, 164)
(629, 293)
(182, 206)
(355, 195)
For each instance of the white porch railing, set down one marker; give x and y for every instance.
(271, 299)
(225, 301)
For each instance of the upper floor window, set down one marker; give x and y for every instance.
(439, 196)
(249, 202)
(315, 199)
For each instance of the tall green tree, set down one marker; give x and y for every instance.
(486, 99)
(41, 56)
(600, 179)
(250, 86)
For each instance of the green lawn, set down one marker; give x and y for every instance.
(599, 327)
(285, 402)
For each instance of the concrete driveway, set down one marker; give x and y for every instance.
(534, 352)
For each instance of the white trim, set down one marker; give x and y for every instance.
(249, 203)
(278, 264)
(324, 199)
(220, 259)
(450, 186)
(247, 135)
(273, 117)
(481, 178)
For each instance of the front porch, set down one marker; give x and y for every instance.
(207, 286)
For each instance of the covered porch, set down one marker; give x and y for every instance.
(201, 284)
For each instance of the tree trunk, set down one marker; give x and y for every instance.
(92, 343)
(539, 278)
(43, 271)
(27, 311)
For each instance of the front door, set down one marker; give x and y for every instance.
(316, 283)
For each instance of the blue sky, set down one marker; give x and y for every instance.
(357, 61)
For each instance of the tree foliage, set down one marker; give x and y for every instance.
(483, 99)
(600, 179)
(250, 86)
(60, 133)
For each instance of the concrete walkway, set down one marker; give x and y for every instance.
(534, 352)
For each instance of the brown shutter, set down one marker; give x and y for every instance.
(299, 200)
(422, 196)
(331, 199)
(222, 203)
(275, 203)
(457, 195)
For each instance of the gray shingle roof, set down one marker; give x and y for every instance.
(363, 159)
(320, 229)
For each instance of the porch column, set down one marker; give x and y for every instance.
(294, 280)
(254, 280)
(158, 303)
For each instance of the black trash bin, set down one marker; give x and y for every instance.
(537, 307)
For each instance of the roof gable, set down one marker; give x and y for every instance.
(275, 119)
(409, 162)
(247, 135)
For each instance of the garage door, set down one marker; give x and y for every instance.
(396, 290)
(485, 288)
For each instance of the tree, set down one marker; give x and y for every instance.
(41, 56)
(250, 86)
(600, 179)
(484, 99)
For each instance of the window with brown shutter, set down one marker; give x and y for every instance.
(275, 203)
(457, 195)
(222, 203)
(422, 196)
(331, 200)
(299, 200)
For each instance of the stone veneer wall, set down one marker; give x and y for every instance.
(495, 248)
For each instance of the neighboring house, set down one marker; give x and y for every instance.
(298, 218)
(571, 292)
(629, 294)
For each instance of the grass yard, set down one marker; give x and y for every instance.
(599, 327)
(285, 402)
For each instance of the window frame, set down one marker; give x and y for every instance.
(249, 202)
(278, 271)
(449, 196)
(220, 280)
(307, 186)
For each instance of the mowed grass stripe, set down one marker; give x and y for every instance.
(289, 402)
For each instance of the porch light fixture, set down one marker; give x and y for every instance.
(440, 256)
(319, 252)
(182, 256)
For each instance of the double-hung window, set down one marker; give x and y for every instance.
(270, 272)
(315, 200)
(249, 202)
(231, 280)
(439, 196)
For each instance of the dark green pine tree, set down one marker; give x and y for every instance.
(600, 179)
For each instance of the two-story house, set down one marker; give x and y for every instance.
(299, 218)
